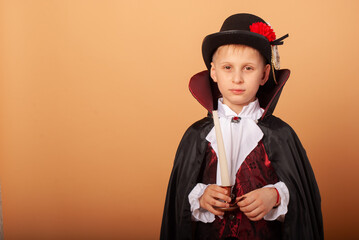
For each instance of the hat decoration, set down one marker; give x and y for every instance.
(266, 30)
(263, 29)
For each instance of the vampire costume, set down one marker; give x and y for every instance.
(280, 151)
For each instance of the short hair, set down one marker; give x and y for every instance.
(238, 46)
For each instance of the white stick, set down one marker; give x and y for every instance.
(221, 151)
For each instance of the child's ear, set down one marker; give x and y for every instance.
(213, 72)
(266, 73)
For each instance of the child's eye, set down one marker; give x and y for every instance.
(248, 68)
(227, 67)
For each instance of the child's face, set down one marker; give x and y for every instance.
(239, 71)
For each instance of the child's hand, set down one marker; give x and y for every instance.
(212, 196)
(258, 203)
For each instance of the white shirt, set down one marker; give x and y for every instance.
(239, 141)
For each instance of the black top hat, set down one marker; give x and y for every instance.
(245, 29)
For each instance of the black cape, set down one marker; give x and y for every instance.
(287, 155)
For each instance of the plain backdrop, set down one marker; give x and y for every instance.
(94, 100)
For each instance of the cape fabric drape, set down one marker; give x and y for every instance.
(288, 157)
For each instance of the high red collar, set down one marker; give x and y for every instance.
(206, 91)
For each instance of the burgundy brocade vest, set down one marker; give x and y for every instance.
(255, 172)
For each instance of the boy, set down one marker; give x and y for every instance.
(272, 179)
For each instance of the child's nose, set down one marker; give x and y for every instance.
(237, 78)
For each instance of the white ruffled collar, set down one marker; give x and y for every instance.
(239, 138)
(251, 111)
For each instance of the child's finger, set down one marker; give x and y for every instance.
(219, 189)
(253, 213)
(250, 207)
(220, 193)
(215, 212)
(221, 196)
(241, 198)
(257, 217)
(246, 201)
(210, 201)
(221, 204)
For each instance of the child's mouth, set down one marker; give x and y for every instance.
(237, 91)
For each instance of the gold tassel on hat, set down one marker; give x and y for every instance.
(275, 80)
(275, 61)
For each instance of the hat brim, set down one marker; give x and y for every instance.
(215, 40)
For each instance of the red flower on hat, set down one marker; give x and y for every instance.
(263, 29)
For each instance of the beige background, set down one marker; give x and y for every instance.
(94, 101)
